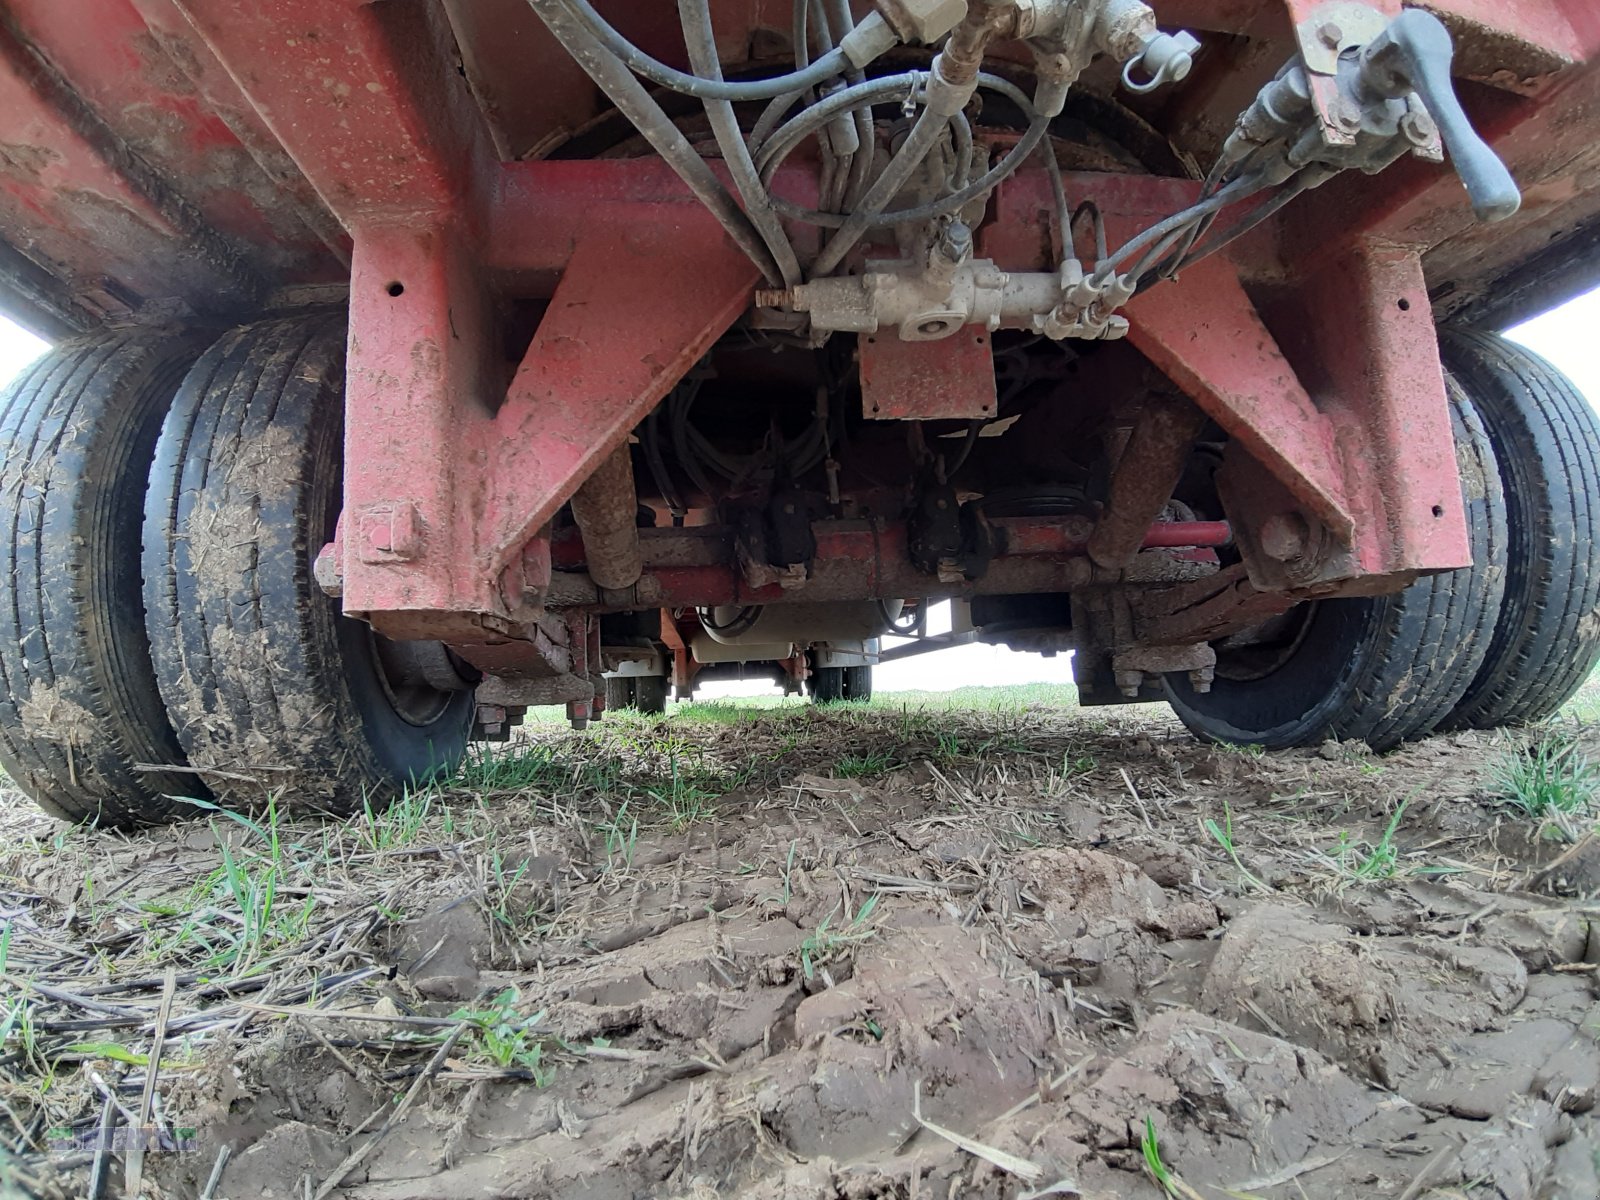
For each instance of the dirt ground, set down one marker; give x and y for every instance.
(853, 954)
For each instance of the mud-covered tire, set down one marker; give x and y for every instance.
(79, 710)
(1379, 669)
(272, 691)
(1546, 439)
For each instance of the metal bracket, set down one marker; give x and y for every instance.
(1327, 32)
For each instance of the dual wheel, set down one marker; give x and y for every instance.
(1505, 641)
(835, 685)
(645, 694)
(211, 665)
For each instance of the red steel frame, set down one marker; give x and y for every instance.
(1334, 398)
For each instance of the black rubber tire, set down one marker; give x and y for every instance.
(826, 685)
(79, 710)
(858, 683)
(1547, 441)
(272, 691)
(619, 692)
(1381, 669)
(650, 694)
(836, 685)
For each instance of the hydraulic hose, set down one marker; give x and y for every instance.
(929, 125)
(701, 41)
(861, 165)
(636, 104)
(824, 69)
(942, 207)
(1268, 208)
(1179, 221)
(781, 143)
(877, 91)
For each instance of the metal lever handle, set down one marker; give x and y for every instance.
(1413, 55)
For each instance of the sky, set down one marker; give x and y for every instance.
(1567, 336)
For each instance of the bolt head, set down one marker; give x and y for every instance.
(328, 572)
(1330, 35)
(1283, 536)
(1200, 679)
(1418, 128)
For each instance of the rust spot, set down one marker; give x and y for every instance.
(25, 162)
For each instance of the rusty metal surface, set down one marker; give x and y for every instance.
(251, 113)
(606, 509)
(868, 559)
(925, 381)
(69, 183)
(1144, 476)
(186, 148)
(636, 308)
(1205, 333)
(1205, 609)
(364, 98)
(1363, 335)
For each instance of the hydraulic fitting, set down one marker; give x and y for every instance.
(924, 21)
(1166, 58)
(870, 39)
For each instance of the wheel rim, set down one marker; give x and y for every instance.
(416, 677)
(1279, 641)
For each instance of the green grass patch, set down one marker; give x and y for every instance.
(1550, 778)
(503, 1037)
(827, 942)
(864, 766)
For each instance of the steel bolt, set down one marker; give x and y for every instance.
(1283, 536)
(955, 244)
(1330, 34)
(1418, 128)
(1200, 679)
(328, 572)
(1129, 683)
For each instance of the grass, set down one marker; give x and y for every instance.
(733, 711)
(505, 1038)
(825, 944)
(502, 899)
(398, 825)
(256, 902)
(1224, 838)
(565, 838)
(864, 766)
(1166, 1179)
(1549, 779)
(1357, 861)
(1075, 765)
(622, 838)
(690, 789)
(1584, 706)
(1243, 749)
